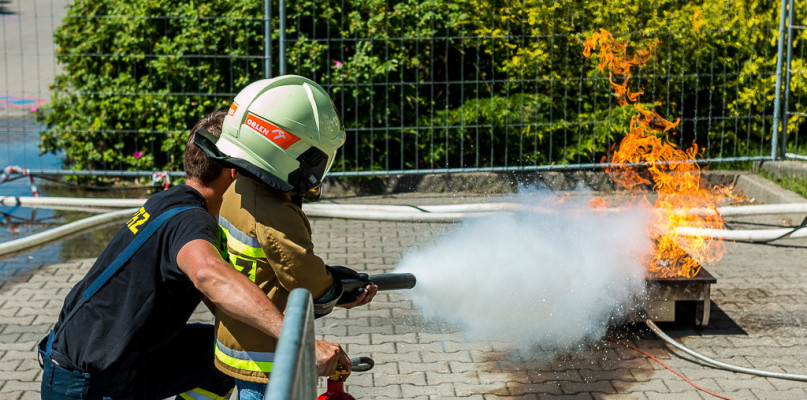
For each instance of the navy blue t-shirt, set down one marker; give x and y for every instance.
(148, 301)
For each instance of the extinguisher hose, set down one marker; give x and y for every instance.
(361, 364)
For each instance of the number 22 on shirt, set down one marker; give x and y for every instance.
(139, 218)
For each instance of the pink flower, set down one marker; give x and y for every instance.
(337, 64)
(137, 155)
(33, 109)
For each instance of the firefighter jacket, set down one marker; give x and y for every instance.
(269, 241)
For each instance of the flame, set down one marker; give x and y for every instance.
(672, 172)
(597, 203)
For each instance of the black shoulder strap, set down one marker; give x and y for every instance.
(121, 259)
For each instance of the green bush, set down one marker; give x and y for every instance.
(138, 74)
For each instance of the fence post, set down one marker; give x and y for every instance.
(790, 13)
(777, 108)
(282, 56)
(267, 39)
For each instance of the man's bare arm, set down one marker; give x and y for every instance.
(230, 291)
(240, 298)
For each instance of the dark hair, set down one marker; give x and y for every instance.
(197, 165)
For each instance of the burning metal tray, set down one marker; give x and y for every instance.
(671, 299)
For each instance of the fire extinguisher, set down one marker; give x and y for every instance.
(336, 382)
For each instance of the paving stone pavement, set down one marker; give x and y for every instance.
(759, 320)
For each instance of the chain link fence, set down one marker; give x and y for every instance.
(422, 87)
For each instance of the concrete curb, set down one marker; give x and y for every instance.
(784, 169)
(766, 191)
(754, 186)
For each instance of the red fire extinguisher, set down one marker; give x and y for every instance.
(336, 382)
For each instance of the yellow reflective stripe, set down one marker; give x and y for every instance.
(246, 365)
(241, 247)
(233, 260)
(201, 394)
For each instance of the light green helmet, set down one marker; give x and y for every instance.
(283, 132)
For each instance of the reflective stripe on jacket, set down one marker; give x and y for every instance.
(269, 241)
(254, 361)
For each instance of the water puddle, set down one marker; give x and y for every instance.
(18, 147)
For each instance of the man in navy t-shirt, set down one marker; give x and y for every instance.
(128, 337)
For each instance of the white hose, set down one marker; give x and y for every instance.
(53, 202)
(727, 211)
(780, 375)
(69, 202)
(394, 216)
(748, 235)
(456, 212)
(52, 235)
(763, 209)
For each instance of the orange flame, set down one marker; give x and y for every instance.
(672, 172)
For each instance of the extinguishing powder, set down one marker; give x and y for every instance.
(554, 278)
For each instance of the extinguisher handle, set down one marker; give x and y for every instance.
(361, 364)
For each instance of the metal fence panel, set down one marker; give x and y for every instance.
(27, 68)
(430, 86)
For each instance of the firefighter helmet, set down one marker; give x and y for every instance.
(282, 132)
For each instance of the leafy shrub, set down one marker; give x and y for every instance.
(138, 74)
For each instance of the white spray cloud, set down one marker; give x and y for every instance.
(551, 279)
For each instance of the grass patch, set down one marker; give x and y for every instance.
(731, 166)
(797, 185)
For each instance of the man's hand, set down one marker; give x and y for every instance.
(365, 297)
(329, 355)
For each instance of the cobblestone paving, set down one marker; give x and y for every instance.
(759, 320)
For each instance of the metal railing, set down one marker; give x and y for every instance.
(421, 90)
(294, 371)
